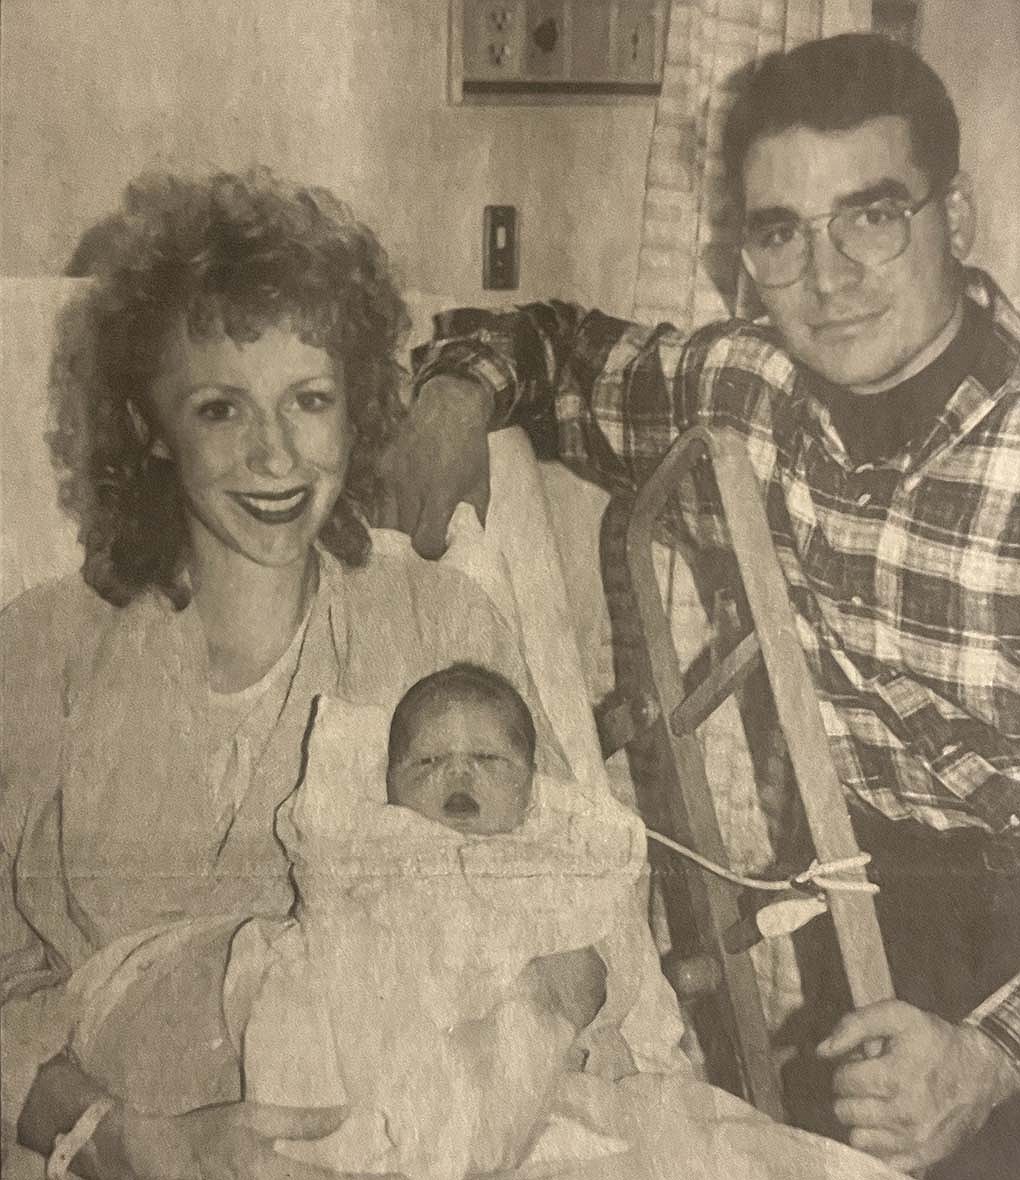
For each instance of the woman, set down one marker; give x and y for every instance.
(223, 391)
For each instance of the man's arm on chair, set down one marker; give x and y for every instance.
(601, 394)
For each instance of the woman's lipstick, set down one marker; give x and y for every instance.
(274, 507)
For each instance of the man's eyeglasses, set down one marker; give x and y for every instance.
(777, 255)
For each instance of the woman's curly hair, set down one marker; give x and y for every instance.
(229, 254)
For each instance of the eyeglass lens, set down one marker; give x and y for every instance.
(778, 255)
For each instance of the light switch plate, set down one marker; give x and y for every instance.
(500, 248)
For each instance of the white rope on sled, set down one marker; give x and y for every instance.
(821, 874)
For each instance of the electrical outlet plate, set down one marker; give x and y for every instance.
(493, 38)
(540, 49)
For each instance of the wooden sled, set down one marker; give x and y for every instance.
(717, 984)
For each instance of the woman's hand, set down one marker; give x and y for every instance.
(232, 1141)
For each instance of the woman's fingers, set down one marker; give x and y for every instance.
(236, 1141)
(273, 1165)
(290, 1122)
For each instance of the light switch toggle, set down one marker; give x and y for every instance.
(500, 248)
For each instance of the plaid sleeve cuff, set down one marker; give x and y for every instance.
(999, 1018)
(471, 360)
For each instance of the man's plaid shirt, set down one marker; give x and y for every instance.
(904, 574)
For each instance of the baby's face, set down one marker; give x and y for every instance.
(463, 766)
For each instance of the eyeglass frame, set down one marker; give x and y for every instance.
(907, 212)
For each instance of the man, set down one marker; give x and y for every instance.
(881, 411)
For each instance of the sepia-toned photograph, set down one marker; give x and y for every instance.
(510, 589)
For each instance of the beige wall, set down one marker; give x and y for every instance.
(975, 46)
(349, 93)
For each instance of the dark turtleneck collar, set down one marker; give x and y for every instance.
(877, 426)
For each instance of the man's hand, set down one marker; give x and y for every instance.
(932, 1087)
(440, 458)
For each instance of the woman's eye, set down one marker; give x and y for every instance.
(216, 410)
(315, 400)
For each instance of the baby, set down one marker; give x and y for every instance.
(448, 973)
(462, 753)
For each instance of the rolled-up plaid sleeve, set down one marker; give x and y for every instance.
(602, 394)
(999, 1018)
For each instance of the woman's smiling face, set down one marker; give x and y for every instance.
(260, 437)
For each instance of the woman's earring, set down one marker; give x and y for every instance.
(156, 448)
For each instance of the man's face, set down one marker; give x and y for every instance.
(859, 326)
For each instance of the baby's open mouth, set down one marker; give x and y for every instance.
(461, 805)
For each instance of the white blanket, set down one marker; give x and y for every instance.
(397, 988)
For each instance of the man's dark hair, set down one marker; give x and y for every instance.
(837, 84)
(459, 682)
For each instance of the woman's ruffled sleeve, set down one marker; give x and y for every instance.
(34, 1022)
